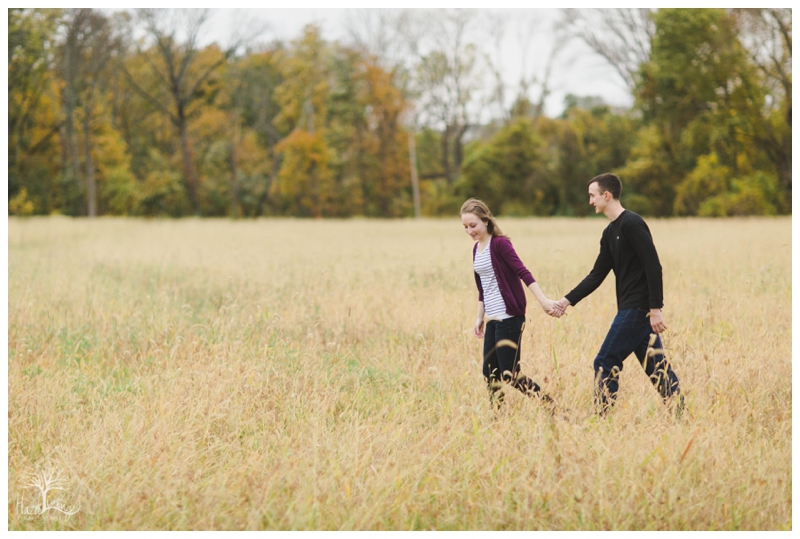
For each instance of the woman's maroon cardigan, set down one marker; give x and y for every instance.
(508, 269)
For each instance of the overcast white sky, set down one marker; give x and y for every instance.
(576, 69)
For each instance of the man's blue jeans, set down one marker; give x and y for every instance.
(630, 333)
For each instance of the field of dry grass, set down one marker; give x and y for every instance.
(297, 374)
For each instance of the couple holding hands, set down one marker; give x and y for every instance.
(626, 247)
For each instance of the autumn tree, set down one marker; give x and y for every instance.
(70, 61)
(699, 95)
(766, 34)
(249, 99)
(535, 82)
(91, 42)
(235, 137)
(305, 182)
(385, 37)
(448, 78)
(366, 130)
(100, 123)
(507, 172)
(176, 64)
(587, 139)
(33, 121)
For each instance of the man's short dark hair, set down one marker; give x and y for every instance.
(608, 182)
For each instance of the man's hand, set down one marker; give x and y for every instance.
(563, 303)
(657, 321)
(553, 308)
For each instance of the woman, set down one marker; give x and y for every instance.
(501, 299)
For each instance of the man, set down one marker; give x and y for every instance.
(627, 248)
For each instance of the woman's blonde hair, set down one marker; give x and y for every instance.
(481, 211)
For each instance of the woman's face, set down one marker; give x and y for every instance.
(474, 226)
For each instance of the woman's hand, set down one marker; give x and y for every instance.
(477, 329)
(553, 308)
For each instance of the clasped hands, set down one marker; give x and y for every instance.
(556, 308)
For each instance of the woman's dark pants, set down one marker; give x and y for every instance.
(630, 333)
(501, 360)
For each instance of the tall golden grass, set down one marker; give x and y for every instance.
(295, 374)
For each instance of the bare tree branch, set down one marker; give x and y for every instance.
(147, 95)
(182, 80)
(621, 36)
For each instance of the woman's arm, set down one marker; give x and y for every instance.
(509, 255)
(477, 329)
(550, 307)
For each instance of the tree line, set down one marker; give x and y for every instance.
(127, 113)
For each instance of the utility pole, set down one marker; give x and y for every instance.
(412, 153)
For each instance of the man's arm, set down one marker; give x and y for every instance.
(638, 235)
(589, 284)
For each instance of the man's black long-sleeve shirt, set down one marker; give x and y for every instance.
(627, 248)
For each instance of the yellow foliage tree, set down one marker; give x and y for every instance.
(305, 182)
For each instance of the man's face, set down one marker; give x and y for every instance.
(597, 199)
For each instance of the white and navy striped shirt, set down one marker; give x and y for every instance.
(493, 302)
